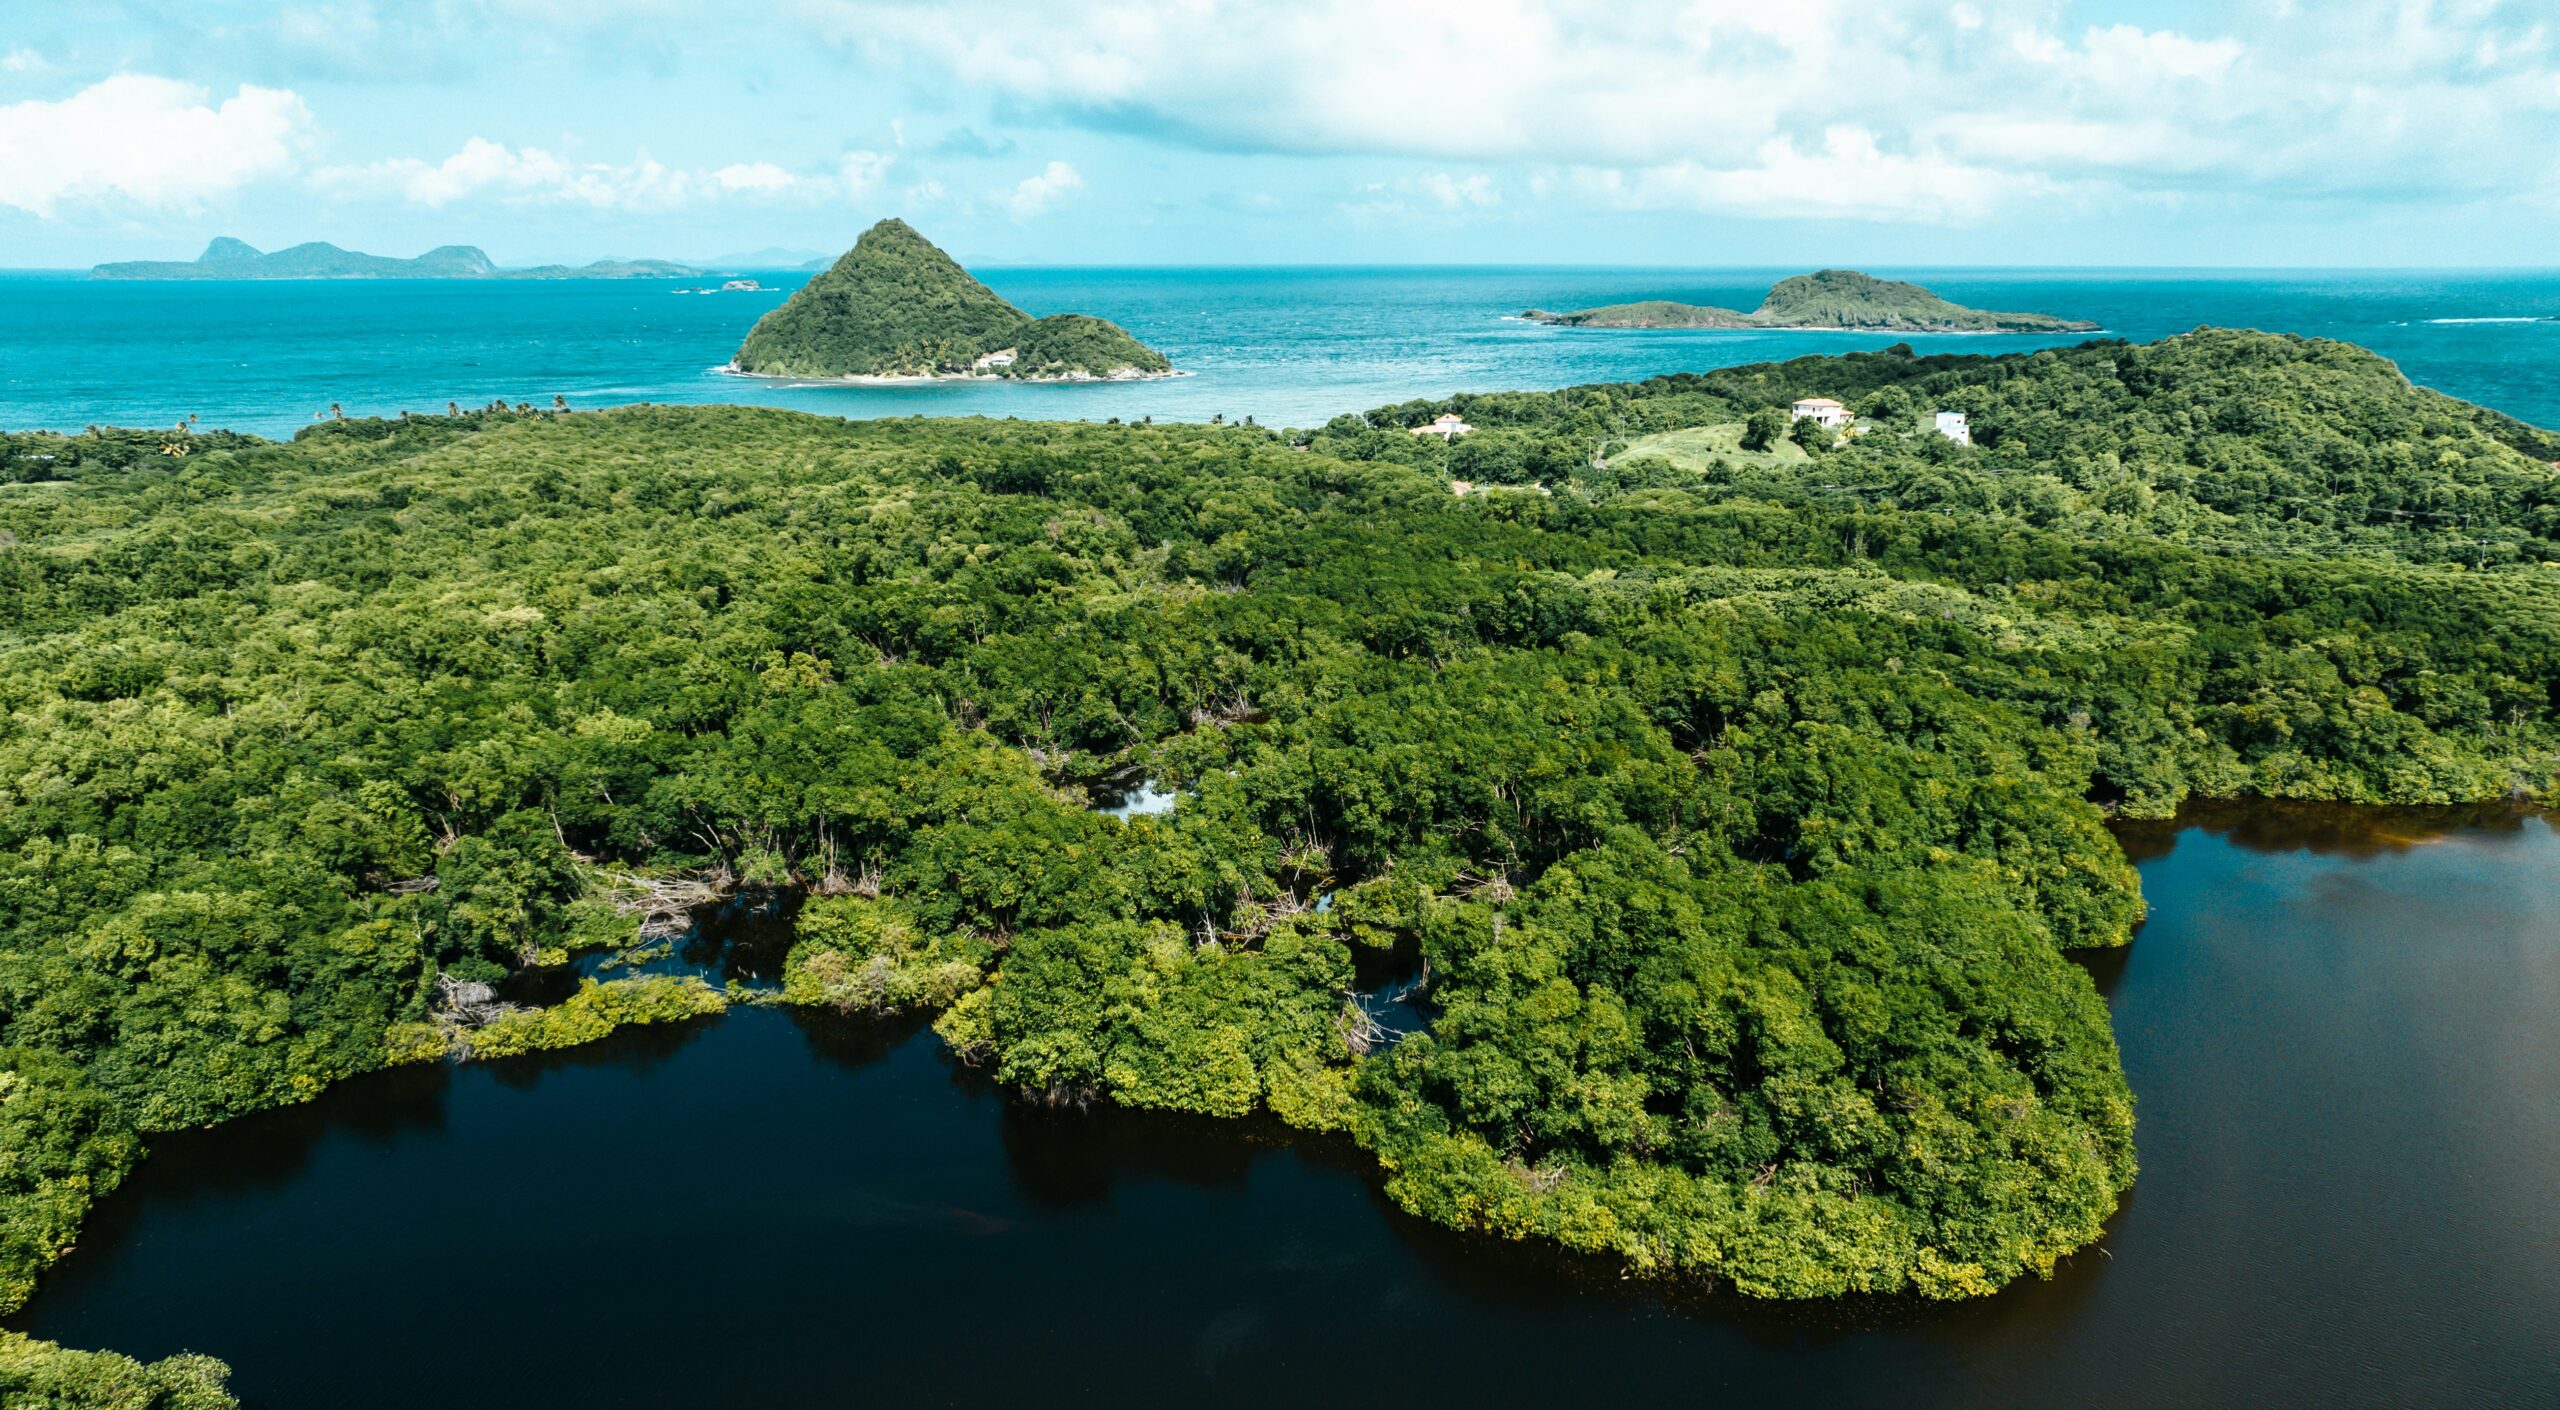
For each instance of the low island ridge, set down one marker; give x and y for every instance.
(227, 258)
(1826, 299)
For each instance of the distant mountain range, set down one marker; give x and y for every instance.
(227, 258)
(1830, 298)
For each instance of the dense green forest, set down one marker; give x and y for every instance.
(39, 1375)
(1739, 812)
(896, 305)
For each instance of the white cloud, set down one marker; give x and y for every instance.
(2046, 144)
(404, 40)
(1849, 176)
(529, 175)
(754, 176)
(861, 171)
(1034, 195)
(144, 140)
(1436, 191)
(1456, 192)
(2124, 56)
(1967, 104)
(485, 170)
(1459, 78)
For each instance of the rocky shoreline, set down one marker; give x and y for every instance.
(919, 379)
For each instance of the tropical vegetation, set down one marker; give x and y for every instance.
(897, 306)
(39, 1375)
(1829, 298)
(1738, 812)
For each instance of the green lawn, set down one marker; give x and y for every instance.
(1696, 447)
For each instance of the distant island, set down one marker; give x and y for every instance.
(227, 258)
(1829, 299)
(896, 306)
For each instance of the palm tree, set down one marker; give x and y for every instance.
(337, 411)
(559, 403)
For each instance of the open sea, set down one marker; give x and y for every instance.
(1287, 347)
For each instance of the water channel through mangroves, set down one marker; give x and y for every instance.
(2343, 1027)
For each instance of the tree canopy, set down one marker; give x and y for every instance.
(1740, 815)
(896, 305)
(1829, 298)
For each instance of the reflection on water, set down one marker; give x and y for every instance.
(857, 1040)
(2324, 829)
(2346, 1048)
(1138, 798)
(740, 940)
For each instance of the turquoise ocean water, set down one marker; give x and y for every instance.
(1290, 347)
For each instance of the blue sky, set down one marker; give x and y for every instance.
(1713, 132)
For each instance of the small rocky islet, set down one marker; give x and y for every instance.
(1826, 299)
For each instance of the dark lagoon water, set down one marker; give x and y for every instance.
(1290, 347)
(2343, 1028)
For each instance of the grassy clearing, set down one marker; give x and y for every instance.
(1697, 447)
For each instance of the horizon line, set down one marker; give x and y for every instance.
(712, 266)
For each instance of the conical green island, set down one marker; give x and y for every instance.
(897, 306)
(1830, 298)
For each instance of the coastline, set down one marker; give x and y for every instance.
(1813, 328)
(927, 379)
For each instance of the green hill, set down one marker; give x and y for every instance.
(1065, 344)
(227, 258)
(1651, 313)
(1830, 298)
(896, 305)
(1844, 298)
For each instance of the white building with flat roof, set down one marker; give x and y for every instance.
(1448, 428)
(1824, 410)
(1951, 424)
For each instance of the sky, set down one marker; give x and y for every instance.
(1708, 133)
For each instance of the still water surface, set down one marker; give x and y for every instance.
(2343, 1028)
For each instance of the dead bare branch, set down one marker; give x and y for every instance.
(463, 1006)
(664, 904)
(1361, 1030)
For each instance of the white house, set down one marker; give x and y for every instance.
(1448, 428)
(1823, 410)
(1951, 425)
